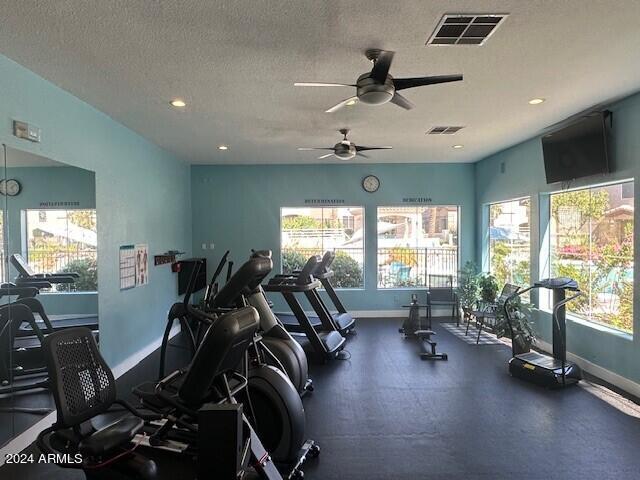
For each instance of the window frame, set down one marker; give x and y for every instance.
(25, 241)
(488, 229)
(419, 205)
(364, 238)
(544, 301)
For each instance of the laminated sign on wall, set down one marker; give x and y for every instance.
(142, 264)
(134, 265)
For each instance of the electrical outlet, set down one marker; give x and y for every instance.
(211, 246)
(204, 246)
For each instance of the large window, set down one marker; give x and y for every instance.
(592, 241)
(63, 241)
(415, 242)
(509, 241)
(314, 230)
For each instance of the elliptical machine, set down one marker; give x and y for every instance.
(283, 351)
(276, 410)
(544, 370)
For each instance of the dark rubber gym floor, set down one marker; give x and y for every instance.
(386, 414)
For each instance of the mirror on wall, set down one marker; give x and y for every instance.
(49, 276)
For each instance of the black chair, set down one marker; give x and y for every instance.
(83, 387)
(441, 293)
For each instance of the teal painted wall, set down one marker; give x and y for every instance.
(50, 184)
(142, 196)
(238, 208)
(524, 175)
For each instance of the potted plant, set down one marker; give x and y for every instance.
(523, 333)
(468, 285)
(488, 288)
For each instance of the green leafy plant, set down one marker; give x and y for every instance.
(520, 313)
(347, 272)
(488, 287)
(87, 269)
(468, 285)
(292, 260)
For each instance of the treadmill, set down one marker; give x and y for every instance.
(28, 284)
(324, 340)
(318, 269)
(550, 371)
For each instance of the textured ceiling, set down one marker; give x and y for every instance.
(235, 62)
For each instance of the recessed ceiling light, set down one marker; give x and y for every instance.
(536, 101)
(351, 102)
(223, 147)
(457, 146)
(178, 102)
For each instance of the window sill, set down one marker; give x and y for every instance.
(596, 326)
(392, 289)
(67, 293)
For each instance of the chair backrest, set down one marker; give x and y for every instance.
(221, 350)
(440, 281)
(21, 265)
(508, 290)
(80, 380)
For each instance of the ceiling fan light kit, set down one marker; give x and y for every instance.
(344, 149)
(376, 87)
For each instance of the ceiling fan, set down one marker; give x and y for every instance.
(345, 149)
(377, 86)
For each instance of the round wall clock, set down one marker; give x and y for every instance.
(12, 187)
(371, 183)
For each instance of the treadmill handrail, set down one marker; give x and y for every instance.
(557, 307)
(289, 287)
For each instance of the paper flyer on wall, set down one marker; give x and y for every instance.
(142, 264)
(127, 267)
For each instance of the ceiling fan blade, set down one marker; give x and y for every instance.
(401, 101)
(362, 155)
(360, 149)
(314, 148)
(342, 104)
(381, 67)
(324, 156)
(402, 83)
(320, 84)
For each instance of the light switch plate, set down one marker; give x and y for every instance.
(26, 131)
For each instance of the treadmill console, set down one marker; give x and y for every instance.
(564, 283)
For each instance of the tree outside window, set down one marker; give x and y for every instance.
(592, 242)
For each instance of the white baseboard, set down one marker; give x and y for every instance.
(378, 313)
(613, 378)
(402, 313)
(26, 438)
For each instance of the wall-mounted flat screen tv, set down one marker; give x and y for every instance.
(577, 150)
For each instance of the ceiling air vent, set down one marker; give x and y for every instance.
(465, 29)
(444, 130)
